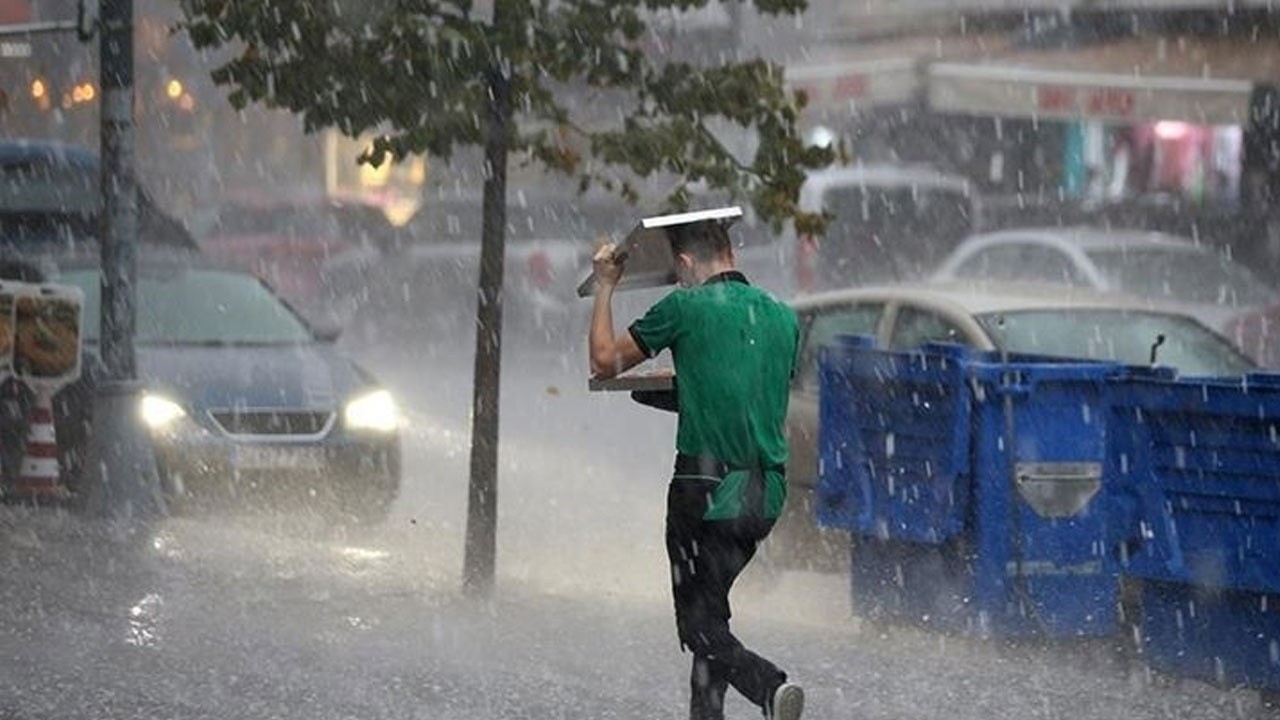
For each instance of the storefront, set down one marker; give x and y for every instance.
(1137, 116)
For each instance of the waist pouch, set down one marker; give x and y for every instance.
(742, 496)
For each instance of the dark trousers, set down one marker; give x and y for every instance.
(706, 557)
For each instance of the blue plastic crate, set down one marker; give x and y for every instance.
(1199, 459)
(1045, 552)
(893, 441)
(973, 486)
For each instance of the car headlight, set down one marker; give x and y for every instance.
(375, 411)
(160, 412)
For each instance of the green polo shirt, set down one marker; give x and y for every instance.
(734, 350)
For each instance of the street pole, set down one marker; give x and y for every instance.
(121, 474)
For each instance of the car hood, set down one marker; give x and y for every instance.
(313, 376)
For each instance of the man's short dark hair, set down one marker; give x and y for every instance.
(705, 241)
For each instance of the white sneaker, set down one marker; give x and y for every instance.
(788, 702)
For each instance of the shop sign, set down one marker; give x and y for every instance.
(990, 89)
(1091, 102)
(11, 49)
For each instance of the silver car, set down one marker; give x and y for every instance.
(1200, 279)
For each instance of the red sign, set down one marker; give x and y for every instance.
(1055, 99)
(1111, 102)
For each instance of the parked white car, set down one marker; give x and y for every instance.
(1197, 278)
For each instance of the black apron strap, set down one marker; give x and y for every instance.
(753, 491)
(710, 467)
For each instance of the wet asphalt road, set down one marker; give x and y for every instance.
(277, 616)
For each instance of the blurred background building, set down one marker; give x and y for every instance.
(1046, 106)
(1161, 114)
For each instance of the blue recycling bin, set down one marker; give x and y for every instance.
(972, 485)
(1199, 459)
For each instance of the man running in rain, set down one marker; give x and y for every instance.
(734, 350)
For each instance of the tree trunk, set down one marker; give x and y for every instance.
(482, 497)
(119, 198)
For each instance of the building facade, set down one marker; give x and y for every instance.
(1162, 114)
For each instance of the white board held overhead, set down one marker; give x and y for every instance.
(649, 260)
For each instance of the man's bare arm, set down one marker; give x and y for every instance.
(610, 355)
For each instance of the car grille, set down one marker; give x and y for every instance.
(272, 422)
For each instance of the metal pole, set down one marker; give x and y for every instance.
(120, 453)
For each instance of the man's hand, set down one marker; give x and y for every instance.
(608, 264)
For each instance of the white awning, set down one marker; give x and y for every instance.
(1201, 81)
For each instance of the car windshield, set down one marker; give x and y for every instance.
(1124, 336)
(198, 307)
(1187, 276)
